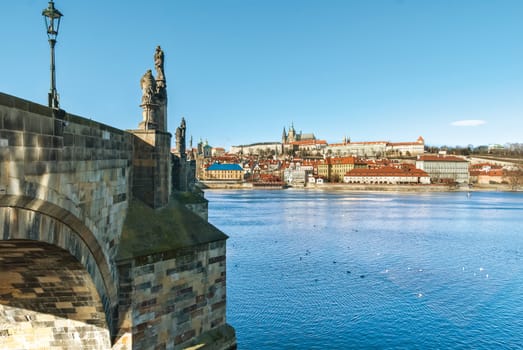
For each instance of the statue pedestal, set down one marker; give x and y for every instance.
(147, 125)
(150, 120)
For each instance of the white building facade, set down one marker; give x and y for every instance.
(377, 149)
(443, 168)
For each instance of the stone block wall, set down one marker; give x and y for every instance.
(175, 300)
(25, 224)
(152, 167)
(183, 174)
(47, 300)
(73, 168)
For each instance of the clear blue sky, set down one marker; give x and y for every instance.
(240, 70)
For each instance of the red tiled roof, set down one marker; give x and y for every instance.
(269, 177)
(406, 144)
(309, 142)
(368, 143)
(495, 172)
(492, 172)
(387, 171)
(225, 159)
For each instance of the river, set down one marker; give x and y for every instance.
(310, 269)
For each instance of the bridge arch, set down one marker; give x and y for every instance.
(26, 218)
(48, 300)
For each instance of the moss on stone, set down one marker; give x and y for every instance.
(222, 337)
(189, 198)
(149, 231)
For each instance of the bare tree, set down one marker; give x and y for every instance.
(514, 177)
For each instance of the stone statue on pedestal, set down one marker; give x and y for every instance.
(154, 95)
(158, 65)
(180, 139)
(148, 85)
(183, 127)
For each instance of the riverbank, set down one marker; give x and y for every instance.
(240, 185)
(408, 188)
(224, 185)
(363, 188)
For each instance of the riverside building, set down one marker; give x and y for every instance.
(377, 149)
(333, 169)
(226, 172)
(443, 168)
(387, 175)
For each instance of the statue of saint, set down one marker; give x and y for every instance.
(183, 127)
(178, 137)
(148, 85)
(158, 64)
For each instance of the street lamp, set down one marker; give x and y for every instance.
(52, 23)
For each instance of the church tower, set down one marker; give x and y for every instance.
(292, 134)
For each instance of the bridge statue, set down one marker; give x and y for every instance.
(148, 86)
(154, 96)
(180, 138)
(158, 65)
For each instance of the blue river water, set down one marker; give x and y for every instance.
(344, 270)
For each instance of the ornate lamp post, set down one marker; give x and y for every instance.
(52, 23)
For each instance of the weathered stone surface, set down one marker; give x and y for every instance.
(147, 231)
(152, 167)
(48, 300)
(175, 278)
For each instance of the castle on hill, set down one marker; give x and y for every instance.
(308, 145)
(293, 136)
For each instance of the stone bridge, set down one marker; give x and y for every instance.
(98, 249)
